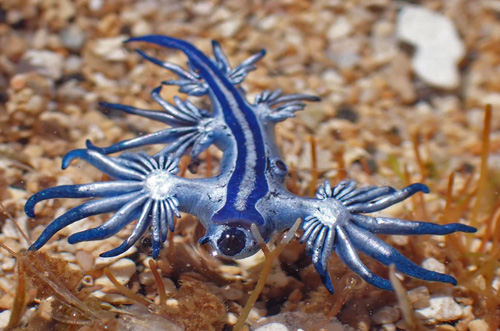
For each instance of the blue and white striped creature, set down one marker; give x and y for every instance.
(249, 189)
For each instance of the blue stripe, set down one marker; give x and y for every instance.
(240, 204)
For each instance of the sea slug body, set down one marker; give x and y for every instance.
(249, 188)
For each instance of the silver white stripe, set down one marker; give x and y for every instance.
(247, 184)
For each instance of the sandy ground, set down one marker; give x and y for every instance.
(382, 121)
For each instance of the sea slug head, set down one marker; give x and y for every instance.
(231, 240)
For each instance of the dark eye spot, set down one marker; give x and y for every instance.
(280, 165)
(231, 242)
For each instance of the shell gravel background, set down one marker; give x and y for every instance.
(59, 58)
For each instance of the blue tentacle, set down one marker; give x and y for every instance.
(179, 111)
(147, 161)
(179, 147)
(291, 107)
(100, 189)
(127, 159)
(154, 115)
(161, 137)
(172, 206)
(240, 72)
(113, 225)
(140, 228)
(350, 258)
(325, 277)
(102, 162)
(202, 142)
(164, 216)
(312, 238)
(359, 191)
(156, 229)
(288, 104)
(362, 196)
(376, 248)
(171, 42)
(170, 163)
(190, 82)
(389, 200)
(328, 246)
(293, 97)
(188, 109)
(388, 225)
(320, 244)
(220, 57)
(345, 189)
(195, 56)
(87, 209)
(194, 88)
(309, 225)
(323, 248)
(178, 70)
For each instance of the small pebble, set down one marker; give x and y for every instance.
(46, 63)
(101, 81)
(443, 309)
(7, 285)
(229, 28)
(419, 297)
(13, 16)
(112, 298)
(40, 38)
(8, 264)
(84, 260)
(399, 78)
(345, 53)
(233, 294)
(340, 28)
(72, 37)
(9, 230)
(272, 327)
(18, 82)
(231, 318)
(172, 302)
(72, 64)
(400, 240)
(122, 270)
(146, 278)
(478, 325)
(433, 265)
(202, 8)
(439, 48)
(385, 315)
(4, 318)
(445, 327)
(96, 5)
(401, 325)
(65, 9)
(267, 23)
(35, 105)
(141, 28)
(388, 327)
(111, 49)
(147, 7)
(17, 46)
(496, 284)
